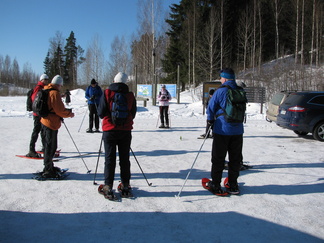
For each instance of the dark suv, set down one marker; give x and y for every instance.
(303, 112)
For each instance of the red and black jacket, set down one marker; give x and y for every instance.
(104, 108)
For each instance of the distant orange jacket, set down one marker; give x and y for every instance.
(55, 104)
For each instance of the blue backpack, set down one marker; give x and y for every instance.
(119, 109)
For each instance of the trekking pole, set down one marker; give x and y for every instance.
(83, 119)
(178, 196)
(169, 117)
(157, 122)
(95, 175)
(150, 184)
(88, 172)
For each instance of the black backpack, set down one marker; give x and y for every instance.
(234, 111)
(29, 103)
(119, 109)
(40, 106)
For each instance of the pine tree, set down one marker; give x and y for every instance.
(70, 54)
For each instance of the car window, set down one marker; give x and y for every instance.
(277, 98)
(293, 99)
(317, 100)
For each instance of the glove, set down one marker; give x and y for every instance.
(210, 123)
(92, 98)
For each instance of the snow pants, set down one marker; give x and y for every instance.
(36, 130)
(93, 116)
(50, 147)
(164, 113)
(223, 144)
(112, 140)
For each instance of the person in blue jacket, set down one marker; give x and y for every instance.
(227, 138)
(93, 95)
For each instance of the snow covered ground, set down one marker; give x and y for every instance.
(281, 196)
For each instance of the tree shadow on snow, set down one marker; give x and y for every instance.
(144, 227)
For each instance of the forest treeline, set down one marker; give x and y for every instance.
(276, 44)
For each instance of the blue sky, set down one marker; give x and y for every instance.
(26, 26)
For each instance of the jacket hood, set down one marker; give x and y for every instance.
(119, 87)
(231, 83)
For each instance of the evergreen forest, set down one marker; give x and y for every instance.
(276, 44)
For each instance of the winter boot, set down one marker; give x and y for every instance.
(89, 130)
(233, 189)
(162, 126)
(125, 190)
(51, 174)
(33, 154)
(109, 193)
(216, 189)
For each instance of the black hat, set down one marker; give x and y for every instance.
(93, 81)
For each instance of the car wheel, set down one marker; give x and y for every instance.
(318, 132)
(301, 133)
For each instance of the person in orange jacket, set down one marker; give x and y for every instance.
(51, 124)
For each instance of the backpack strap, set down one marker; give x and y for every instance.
(223, 86)
(48, 90)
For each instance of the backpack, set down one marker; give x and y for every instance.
(29, 103)
(40, 106)
(119, 109)
(234, 111)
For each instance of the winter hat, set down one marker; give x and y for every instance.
(43, 76)
(120, 78)
(93, 81)
(163, 86)
(227, 73)
(211, 92)
(57, 80)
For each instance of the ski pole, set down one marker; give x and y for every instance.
(95, 175)
(150, 184)
(83, 119)
(169, 116)
(177, 196)
(157, 122)
(88, 172)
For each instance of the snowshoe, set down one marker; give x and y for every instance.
(57, 153)
(56, 174)
(233, 190)
(33, 154)
(26, 157)
(107, 192)
(125, 191)
(209, 185)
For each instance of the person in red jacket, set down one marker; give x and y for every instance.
(117, 135)
(43, 80)
(51, 125)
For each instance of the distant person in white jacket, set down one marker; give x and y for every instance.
(164, 98)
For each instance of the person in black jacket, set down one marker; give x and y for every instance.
(67, 96)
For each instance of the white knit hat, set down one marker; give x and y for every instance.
(57, 80)
(120, 78)
(43, 76)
